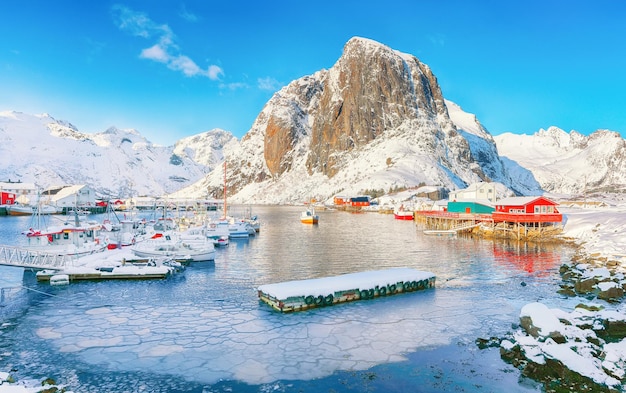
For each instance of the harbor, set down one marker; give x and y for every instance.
(134, 335)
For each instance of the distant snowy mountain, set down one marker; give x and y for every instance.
(569, 163)
(376, 120)
(116, 163)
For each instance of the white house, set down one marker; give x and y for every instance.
(73, 196)
(476, 191)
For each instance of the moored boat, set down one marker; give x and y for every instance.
(188, 249)
(309, 216)
(75, 239)
(439, 232)
(113, 264)
(403, 213)
(230, 228)
(27, 210)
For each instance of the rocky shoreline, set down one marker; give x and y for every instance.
(579, 351)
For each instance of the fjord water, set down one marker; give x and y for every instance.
(204, 330)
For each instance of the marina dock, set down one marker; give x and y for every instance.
(301, 295)
(117, 272)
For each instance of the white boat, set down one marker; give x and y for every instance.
(126, 232)
(111, 264)
(229, 228)
(221, 241)
(76, 239)
(188, 249)
(440, 232)
(27, 210)
(309, 216)
(254, 223)
(60, 279)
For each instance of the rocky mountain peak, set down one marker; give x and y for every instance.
(376, 120)
(370, 89)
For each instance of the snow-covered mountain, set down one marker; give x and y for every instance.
(376, 120)
(569, 163)
(116, 163)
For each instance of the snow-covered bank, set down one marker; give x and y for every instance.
(585, 345)
(599, 230)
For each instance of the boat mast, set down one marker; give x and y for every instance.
(225, 210)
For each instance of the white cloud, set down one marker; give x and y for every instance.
(155, 53)
(234, 85)
(165, 50)
(214, 72)
(268, 83)
(187, 15)
(437, 39)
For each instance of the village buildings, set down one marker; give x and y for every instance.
(477, 208)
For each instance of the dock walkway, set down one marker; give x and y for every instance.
(21, 257)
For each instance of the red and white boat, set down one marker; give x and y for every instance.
(66, 239)
(402, 213)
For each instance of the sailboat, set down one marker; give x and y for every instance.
(228, 226)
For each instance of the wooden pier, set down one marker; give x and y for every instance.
(446, 223)
(301, 295)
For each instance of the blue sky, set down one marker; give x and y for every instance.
(171, 69)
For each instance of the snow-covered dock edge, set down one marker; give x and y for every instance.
(301, 295)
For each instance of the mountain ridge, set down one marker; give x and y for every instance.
(374, 122)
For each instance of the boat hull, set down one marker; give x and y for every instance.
(309, 220)
(178, 256)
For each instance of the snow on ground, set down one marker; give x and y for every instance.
(598, 228)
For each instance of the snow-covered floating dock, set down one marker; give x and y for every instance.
(304, 294)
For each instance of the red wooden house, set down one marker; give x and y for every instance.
(7, 198)
(362, 200)
(341, 200)
(537, 209)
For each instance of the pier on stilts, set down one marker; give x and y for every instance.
(439, 222)
(500, 225)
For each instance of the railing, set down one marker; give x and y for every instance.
(20, 257)
(461, 216)
(526, 217)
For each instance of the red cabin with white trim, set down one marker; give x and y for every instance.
(527, 210)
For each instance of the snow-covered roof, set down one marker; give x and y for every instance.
(485, 202)
(67, 191)
(477, 186)
(17, 186)
(520, 201)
